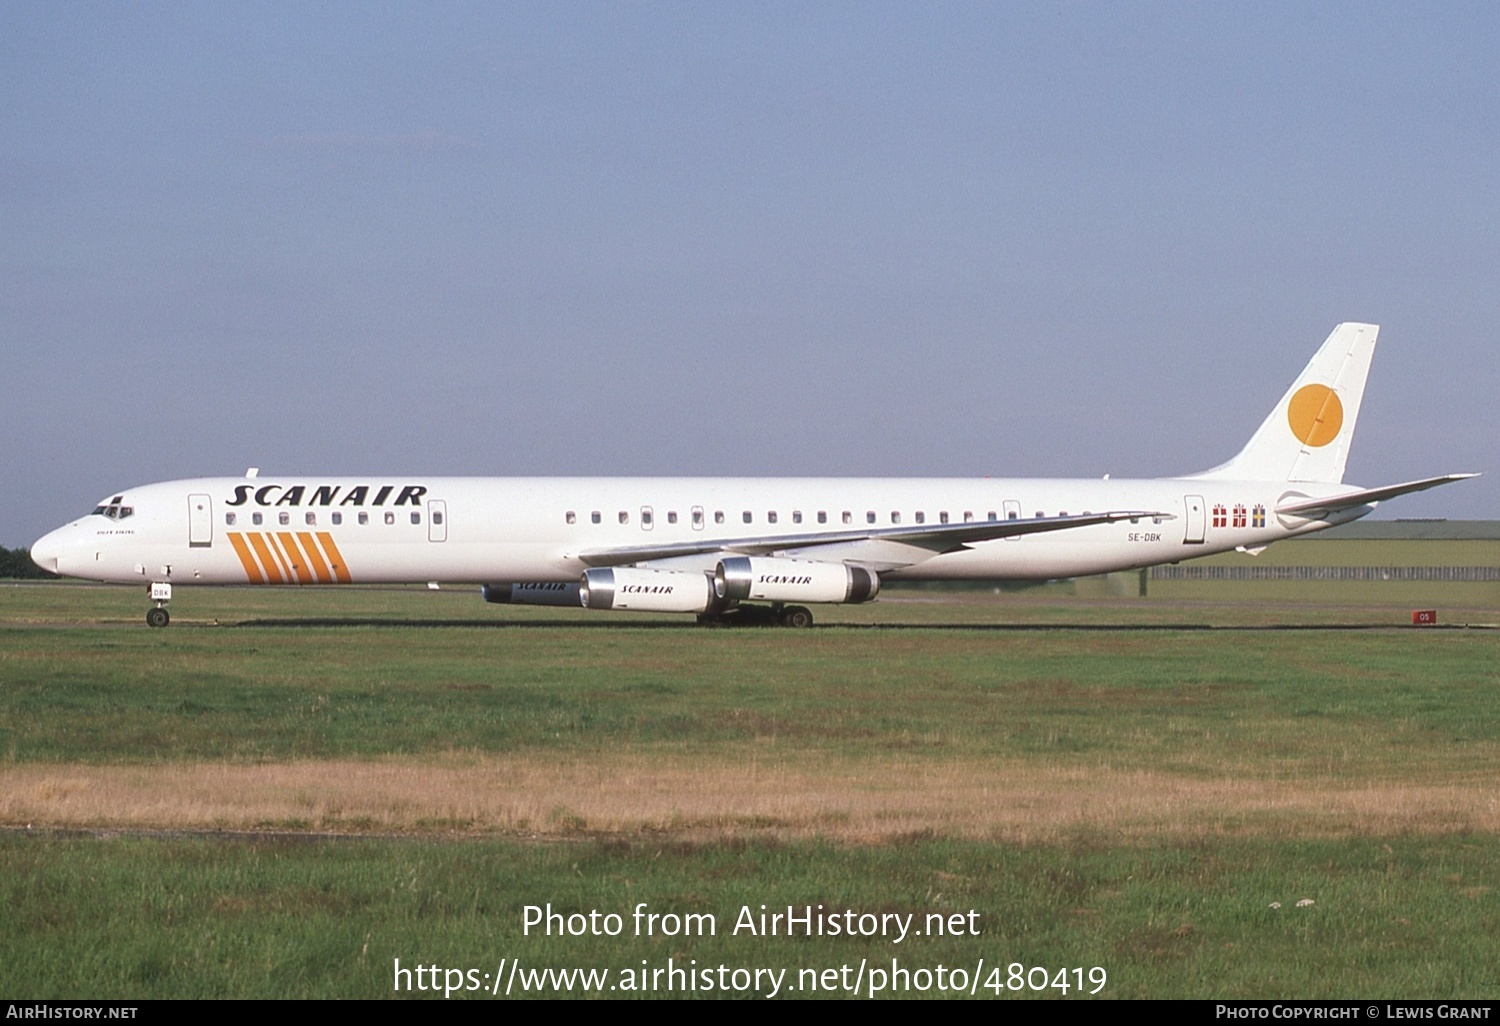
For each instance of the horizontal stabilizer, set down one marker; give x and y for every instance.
(1366, 497)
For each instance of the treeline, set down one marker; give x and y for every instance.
(16, 563)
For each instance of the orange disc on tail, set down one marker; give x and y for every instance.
(1315, 415)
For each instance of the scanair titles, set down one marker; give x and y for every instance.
(325, 495)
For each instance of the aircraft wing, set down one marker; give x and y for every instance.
(925, 540)
(1367, 496)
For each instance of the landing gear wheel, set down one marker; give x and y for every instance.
(157, 617)
(797, 616)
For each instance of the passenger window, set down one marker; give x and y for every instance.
(364, 518)
(870, 516)
(437, 518)
(647, 519)
(416, 517)
(1040, 514)
(390, 518)
(570, 517)
(624, 517)
(822, 516)
(921, 517)
(771, 517)
(671, 516)
(338, 518)
(943, 517)
(848, 517)
(895, 517)
(596, 517)
(311, 518)
(718, 516)
(256, 518)
(697, 518)
(991, 515)
(968, 516)
(229, 519)
(283, 518)
(748, 517)
(796, 516)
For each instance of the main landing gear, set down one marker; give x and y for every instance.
(775, 615)
(796, 616)
(161, 594)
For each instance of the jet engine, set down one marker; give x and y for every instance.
(532, 593)
(792, 580)
(651, 591)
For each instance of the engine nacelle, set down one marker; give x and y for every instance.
(532, 593)
(792, 580)
(649, 591)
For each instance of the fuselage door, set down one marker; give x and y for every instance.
(1194, 505)
(200, 521)
(437, 520)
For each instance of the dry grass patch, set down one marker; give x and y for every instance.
(854, 800)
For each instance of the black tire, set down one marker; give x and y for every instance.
(157, 617)
(797, 616)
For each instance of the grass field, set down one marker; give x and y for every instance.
(286, 791)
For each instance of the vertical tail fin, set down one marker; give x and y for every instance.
(1306, 438)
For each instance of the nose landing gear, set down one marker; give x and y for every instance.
(161, 594)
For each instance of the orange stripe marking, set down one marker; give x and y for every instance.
(266, 559)
(274, 547)
(294, 556)
(314, 557)
(280, 557)
(247, 560)
(335, 557)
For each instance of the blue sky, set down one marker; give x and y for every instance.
(864, 239)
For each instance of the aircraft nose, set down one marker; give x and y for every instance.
(46, 551)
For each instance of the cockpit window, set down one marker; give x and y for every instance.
(114, 509)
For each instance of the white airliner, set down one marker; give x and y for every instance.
(714, 546)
